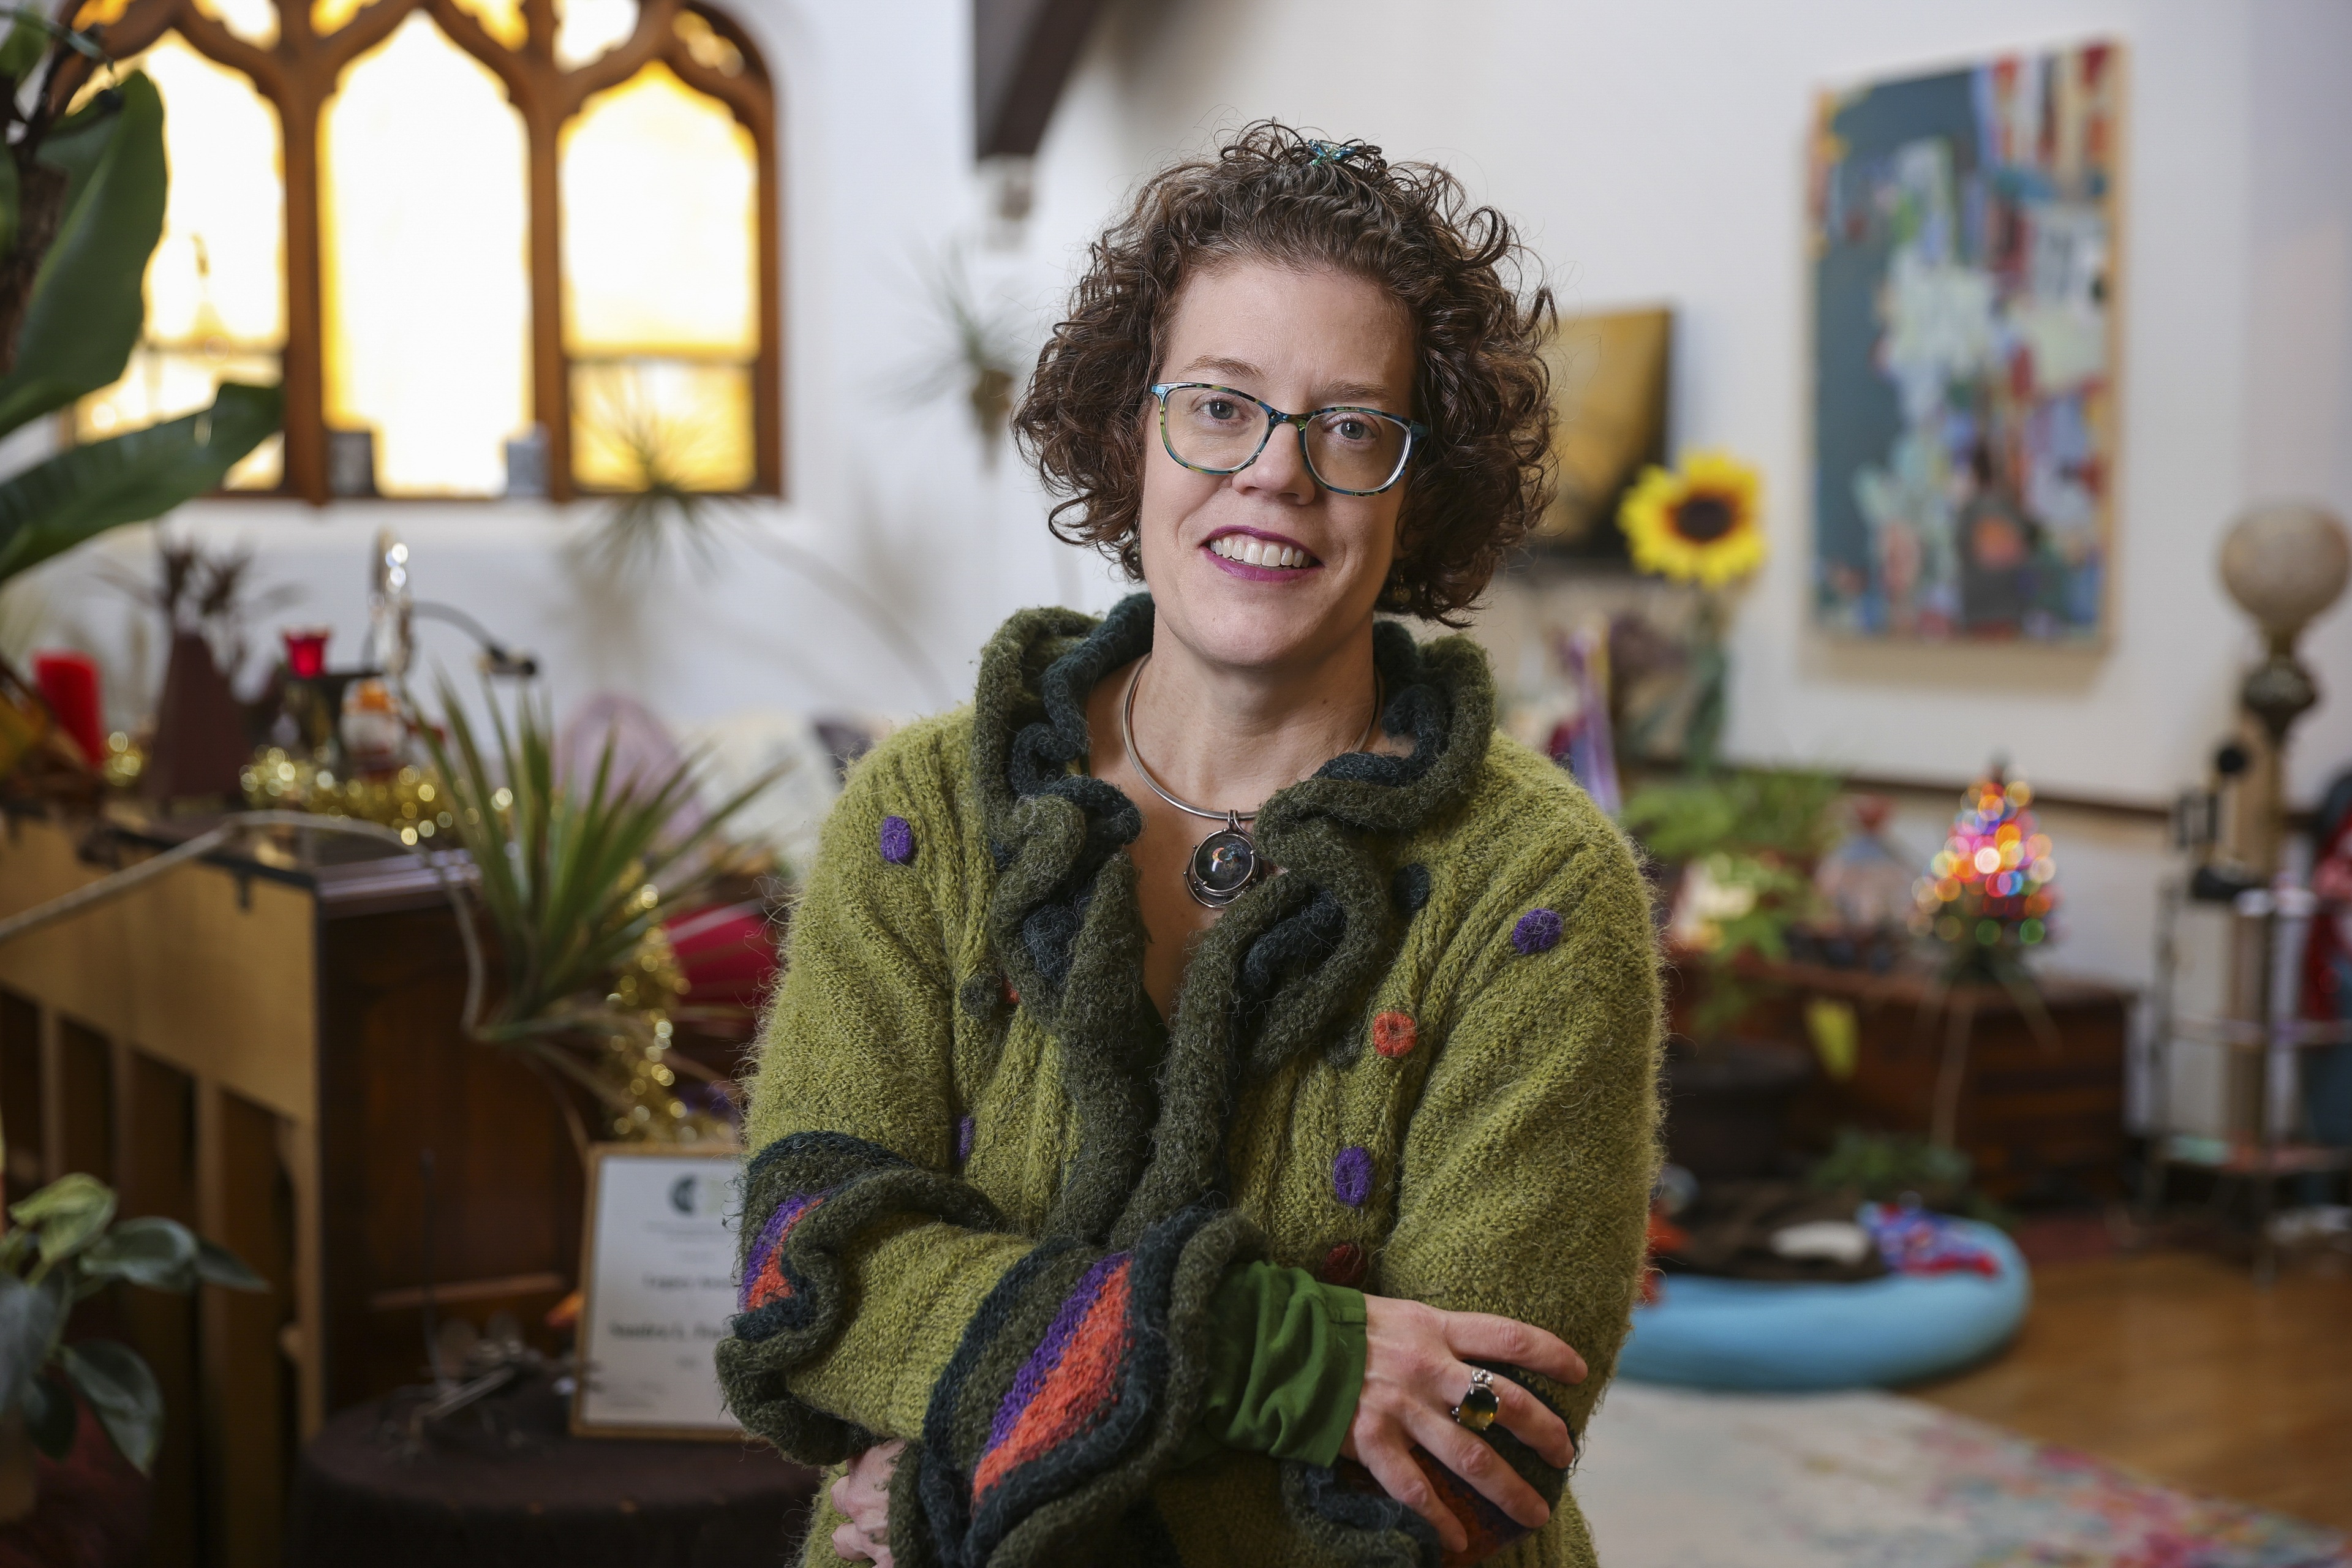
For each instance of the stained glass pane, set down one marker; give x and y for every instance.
(255, 21)
(650, 422)
(426, 279)
(502, 19)
(586, 29)
(712, 49)
(326, 15)
(216, 289)
(661, 255)
(100, 13)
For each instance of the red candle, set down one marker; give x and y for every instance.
(68, 683)
(305, 651)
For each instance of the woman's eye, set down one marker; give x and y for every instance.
(1347, 427)
(1221, 409)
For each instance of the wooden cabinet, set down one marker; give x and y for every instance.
(2039, 1110)
(269, 1051)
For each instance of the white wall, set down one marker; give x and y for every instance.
(1657, 151)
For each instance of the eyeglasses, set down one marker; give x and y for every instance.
(1220, 430)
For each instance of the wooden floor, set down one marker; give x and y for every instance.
(2175, 1364)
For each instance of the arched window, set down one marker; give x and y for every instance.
(476, 238)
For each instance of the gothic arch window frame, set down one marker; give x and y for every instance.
(298, 73)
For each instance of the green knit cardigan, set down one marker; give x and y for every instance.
(991, 1195)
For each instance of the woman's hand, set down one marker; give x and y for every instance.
(1415, 1369)
(863, 1496)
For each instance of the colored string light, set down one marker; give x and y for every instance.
(1993, 883)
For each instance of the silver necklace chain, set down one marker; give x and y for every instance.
(1231, 818)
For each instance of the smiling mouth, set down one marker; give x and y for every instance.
(1251, 552)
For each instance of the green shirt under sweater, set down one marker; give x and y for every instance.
(1286, 1366)
(1440, 1032)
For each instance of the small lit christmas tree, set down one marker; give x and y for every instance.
(1989, 890)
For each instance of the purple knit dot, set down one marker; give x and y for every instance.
(897, 840)
(1351, 1175)
(1538, 932)
(966, 1130)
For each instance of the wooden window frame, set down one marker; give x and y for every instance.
(298, 75)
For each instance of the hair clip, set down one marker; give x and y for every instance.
(1326, 153)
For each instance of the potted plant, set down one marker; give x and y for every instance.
(64, 1249)
(1744, 842)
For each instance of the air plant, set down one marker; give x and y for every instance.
(660, 498)
(572, 878)
(983, 357)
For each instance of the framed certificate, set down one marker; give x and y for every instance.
(657, 1287)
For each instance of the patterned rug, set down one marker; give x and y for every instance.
(1673, 1479)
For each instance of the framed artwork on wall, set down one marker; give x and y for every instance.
(1608, 387)
(657, 1287)
(1965, 232)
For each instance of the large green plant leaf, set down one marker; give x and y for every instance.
(51, 1415)
(8, 194)
(89, 301)
(158, 1253)
(30, 1316)
(129, 477)
(216, 1265)
(124, 1394)
(28, 41)
(68, 1213)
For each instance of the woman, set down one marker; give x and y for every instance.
(1213, 1090)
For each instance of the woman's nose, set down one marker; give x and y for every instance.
(1280, 472)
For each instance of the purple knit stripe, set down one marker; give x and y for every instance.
(1048, 1353)
(772, 1235)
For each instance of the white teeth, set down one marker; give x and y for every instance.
(1252, 551)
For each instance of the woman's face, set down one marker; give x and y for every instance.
(1300, 340)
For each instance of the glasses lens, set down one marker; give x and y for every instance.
(1211, 428)
(1353, 450)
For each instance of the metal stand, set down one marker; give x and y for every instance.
(2259, 1147)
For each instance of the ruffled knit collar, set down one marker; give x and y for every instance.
(1286, 966)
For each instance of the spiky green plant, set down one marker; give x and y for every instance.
(572, 877)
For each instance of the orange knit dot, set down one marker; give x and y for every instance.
(1392, 1033)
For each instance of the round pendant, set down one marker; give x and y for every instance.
(1222, 866)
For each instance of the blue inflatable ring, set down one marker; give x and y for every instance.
(1757, 1336)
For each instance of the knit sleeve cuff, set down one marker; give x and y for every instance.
(1075, 1388)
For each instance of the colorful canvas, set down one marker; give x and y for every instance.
(1965, 253)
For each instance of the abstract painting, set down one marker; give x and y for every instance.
(1964, 231)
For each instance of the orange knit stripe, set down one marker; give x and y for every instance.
(1074, 1395)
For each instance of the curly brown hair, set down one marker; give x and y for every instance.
(1484, 476)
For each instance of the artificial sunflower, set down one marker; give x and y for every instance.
(1702, 524)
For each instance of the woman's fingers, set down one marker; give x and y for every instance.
(1393, 1465)
(1473, 1458)
(1530, 1420)
(849, 1543)
(1482, 1336)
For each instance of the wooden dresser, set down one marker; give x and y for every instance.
(269, 1050)
(2040, 1114)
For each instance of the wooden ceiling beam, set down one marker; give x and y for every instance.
(1021, 54)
